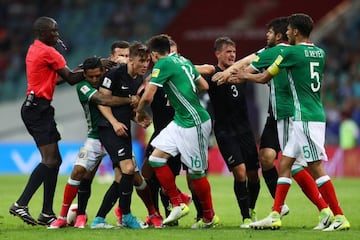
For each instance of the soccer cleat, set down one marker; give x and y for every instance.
(176, 213)
(23, 213)
(340, 223)
(246, 223)
(118, 214)
(187, 199)
(99, 222)
(272, 221)
(324, 219)
(285, 210)
(45, 219)
(253, 215)
(155, 220)
(80, 221)
(60, 222)
(172, 224)
(131, 221)
(201, 224)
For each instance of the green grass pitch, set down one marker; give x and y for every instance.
(297, 225)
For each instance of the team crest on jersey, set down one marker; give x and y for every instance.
(155, 72)
(84, 89)
(107, 82)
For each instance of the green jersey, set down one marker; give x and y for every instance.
(92, 113)
(282, 105)
(304, 63)
(177, 76)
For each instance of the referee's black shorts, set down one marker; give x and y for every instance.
(39, 121)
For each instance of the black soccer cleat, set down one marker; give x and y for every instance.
(23, 213)
(46, 219)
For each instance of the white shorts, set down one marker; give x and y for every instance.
(90, 154)
(306, 141)
(285, 128)
(192, 143)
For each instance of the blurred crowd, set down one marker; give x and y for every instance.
(341, 88)
(129, 19)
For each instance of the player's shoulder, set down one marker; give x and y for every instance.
(120, 69)
(84, 87)
(81, 83)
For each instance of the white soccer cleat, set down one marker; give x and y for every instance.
(272, 221)
(285, 210)
(324, 219)
(340, 223)
(176, 213)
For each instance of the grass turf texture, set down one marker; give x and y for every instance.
(297, 225)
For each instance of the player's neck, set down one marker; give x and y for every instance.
(132, 72)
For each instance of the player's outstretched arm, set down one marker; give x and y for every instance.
(223, 77)
(201, 84)
(145, 100)
(240, 75)
(205, 69)
(109, 100)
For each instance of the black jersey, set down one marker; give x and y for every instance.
(163, 112)
(121, 84)
(229, 106)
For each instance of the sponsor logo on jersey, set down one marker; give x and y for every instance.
(84, 89)
(107, 82)
(121, 152)
(155, 73)
(231, 159)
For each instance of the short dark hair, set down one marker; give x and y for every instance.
(42, 24)
(138, 49)
(92, 63)
(119, 44)
(159, 43)
(279, 25)
(221, 41)
(301, 22)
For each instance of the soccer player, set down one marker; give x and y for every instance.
(119, 52)
(233, 132)
(162, 114)
(304, 63)
(114, 131)
(91, 154)
(187, 134)
(282, 103)
(43, 66)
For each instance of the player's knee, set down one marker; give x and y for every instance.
(52, 163)
(139, 183)
(266, 159)
(138, 179)
(157, 161)
(78, 172)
